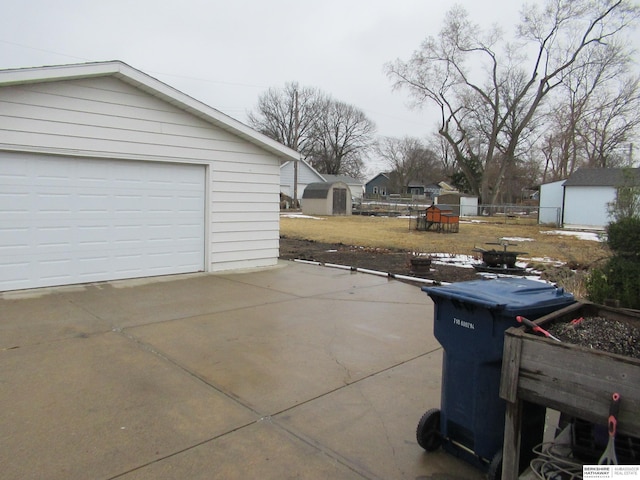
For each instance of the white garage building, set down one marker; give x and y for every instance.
(107, 173)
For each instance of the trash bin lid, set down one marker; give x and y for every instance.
(511, 294)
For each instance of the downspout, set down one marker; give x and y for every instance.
(564, 194)
(295, 183)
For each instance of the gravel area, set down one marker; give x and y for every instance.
(600, 333)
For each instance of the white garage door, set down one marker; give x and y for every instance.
(66, 220)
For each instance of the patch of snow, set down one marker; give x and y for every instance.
(299, 215)
(527, 275)
(517, 239)
(468, 261)
(593, 236)
(555, 263)
(463, 261)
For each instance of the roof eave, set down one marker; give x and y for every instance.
(151, 86)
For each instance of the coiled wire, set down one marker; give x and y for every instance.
(555, 462)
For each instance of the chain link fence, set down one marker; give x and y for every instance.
(500, 213)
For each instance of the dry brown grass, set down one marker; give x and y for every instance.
(395, 233)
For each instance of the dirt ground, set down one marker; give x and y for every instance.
(382, 260)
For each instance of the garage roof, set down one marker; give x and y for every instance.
(600, 177)
(151, 86)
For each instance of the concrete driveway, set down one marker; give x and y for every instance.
(298, 371)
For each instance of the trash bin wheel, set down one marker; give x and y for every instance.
(428, 431)
(495, 467)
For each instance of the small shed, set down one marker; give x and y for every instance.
(355, 186)
(324, 198)
(551, 203)
(459, 203)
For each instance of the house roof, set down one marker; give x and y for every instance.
(341, 178)
(446, 186)
(384, 175)
(151, 86)
(430, 185)
(600, 177)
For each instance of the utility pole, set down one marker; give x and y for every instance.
(296, 126)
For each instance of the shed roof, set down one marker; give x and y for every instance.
(456, 194)
(151, 86)
(600, 177)
(321, 189)
(317, 190)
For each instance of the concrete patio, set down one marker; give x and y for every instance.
(299, 371)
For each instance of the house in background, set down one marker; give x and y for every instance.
(381, 185)
(582, 200)
(378, 185)
(108, 173)
(427, 191)
(307, 175)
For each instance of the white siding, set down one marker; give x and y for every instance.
(357, 190)
(305, 177)
(587, 206)
(551, 199)
(107, 118)
(468, 206)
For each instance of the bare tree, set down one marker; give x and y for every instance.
(288, 115)
(437, 144)
(409, 159)
(488, 92)
(333, 136)
(562, 146)
(597, 112)
(341, 137)
(610, 125)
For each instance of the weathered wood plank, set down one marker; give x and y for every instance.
(510, 366)
(512, 439)
(579, 381)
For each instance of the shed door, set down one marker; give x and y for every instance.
(339, 201)
(68, 220)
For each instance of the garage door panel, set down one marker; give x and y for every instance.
(74, 221)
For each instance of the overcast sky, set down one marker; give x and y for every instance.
(225, 53)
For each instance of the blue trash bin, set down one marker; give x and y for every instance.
(470, 319)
